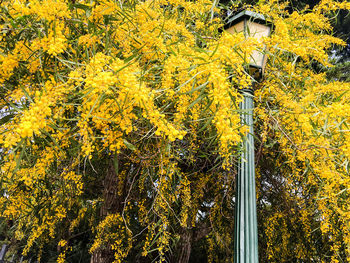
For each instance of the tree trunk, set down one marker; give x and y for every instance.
(113, 203)
(100, 256)
(184, 246)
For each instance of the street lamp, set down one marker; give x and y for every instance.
(246, 230)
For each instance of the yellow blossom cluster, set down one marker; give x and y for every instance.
(49, 10)
(88, 40)
(55, 43)
(119, 241)
(36, 118)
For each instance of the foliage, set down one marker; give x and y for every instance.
(120, 131)
(340, 72)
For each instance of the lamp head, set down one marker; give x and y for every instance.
(252, 25)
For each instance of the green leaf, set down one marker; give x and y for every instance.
(116, 164)
(81, 6)
(210, 119)
(5, 119)
(129, 145)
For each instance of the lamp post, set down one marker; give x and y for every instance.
(246, 231)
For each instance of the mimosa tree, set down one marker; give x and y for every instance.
(120, 132)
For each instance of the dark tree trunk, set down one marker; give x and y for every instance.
(183, 251)
(189, 236)
(102, 256)
(113, 203)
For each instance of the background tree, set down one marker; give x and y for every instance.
(120, 132)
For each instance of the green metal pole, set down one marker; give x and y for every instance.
(246, 230)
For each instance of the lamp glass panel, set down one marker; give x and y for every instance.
(237, 28)
(257, 31)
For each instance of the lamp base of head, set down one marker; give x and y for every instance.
(255, 72)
